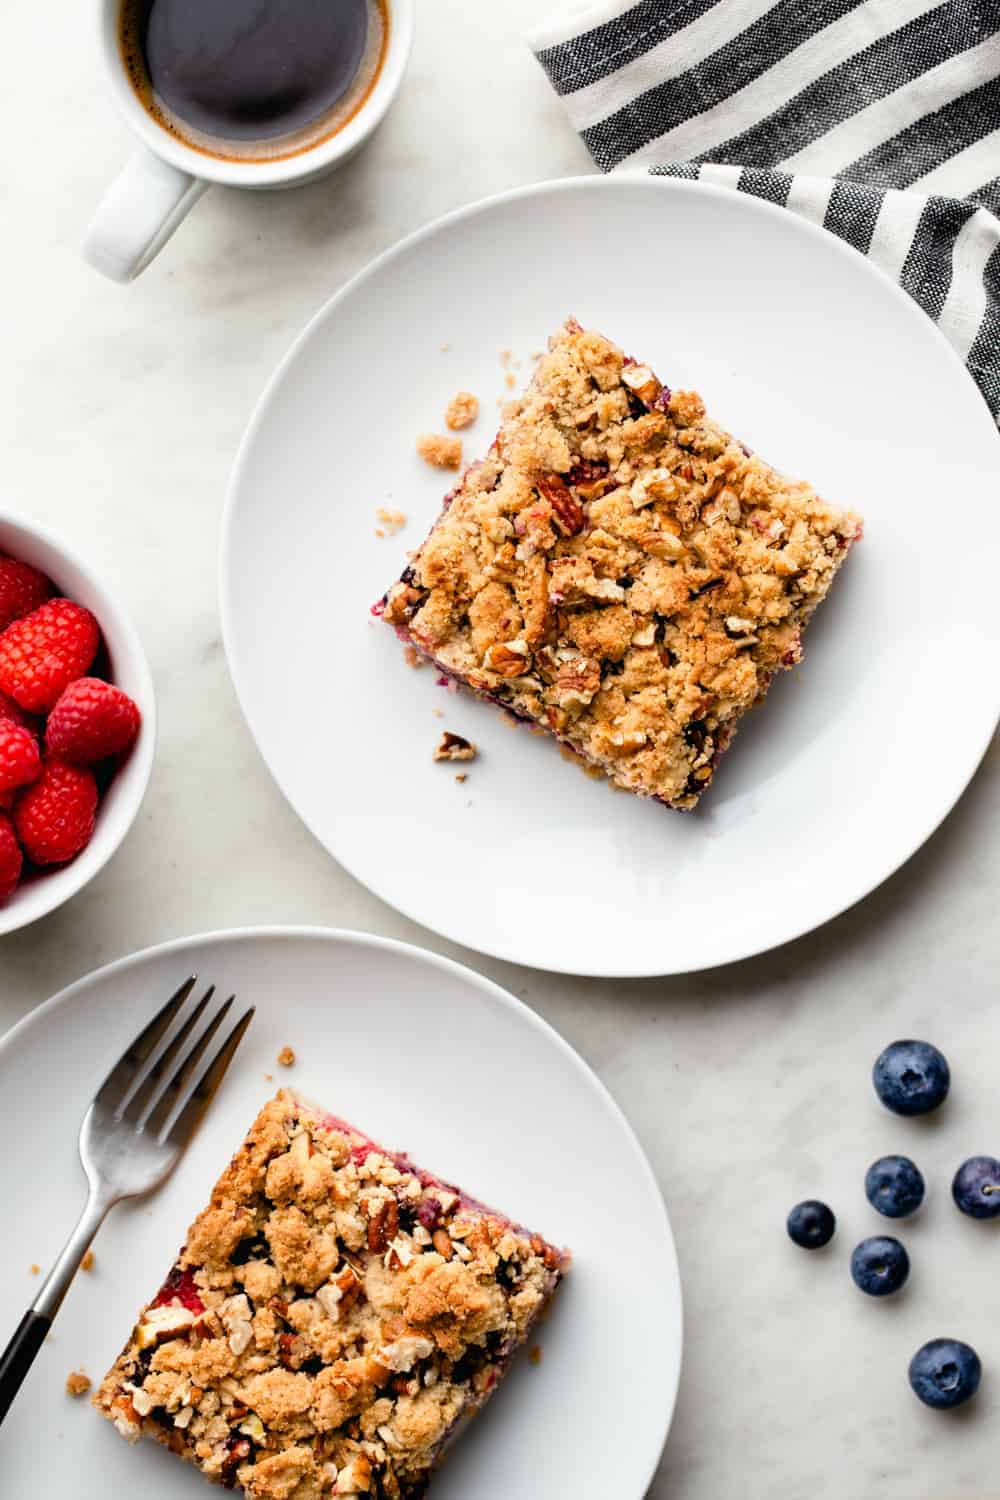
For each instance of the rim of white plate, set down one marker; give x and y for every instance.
(679, 187)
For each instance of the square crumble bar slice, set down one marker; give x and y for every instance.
(620, 571)
(334, 1314)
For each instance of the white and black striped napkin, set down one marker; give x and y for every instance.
(879, 119)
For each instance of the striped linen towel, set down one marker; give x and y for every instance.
(879, 119)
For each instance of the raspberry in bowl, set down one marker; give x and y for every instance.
(77, 723)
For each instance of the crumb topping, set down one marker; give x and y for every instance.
(87, 1263)
(333, 1314)
(441, 451)
(392, 521)
(462, 411)
(621, 571)
(455, 747)
(286, 1057)
(77, 1383)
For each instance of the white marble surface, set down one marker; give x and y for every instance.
(120, 411)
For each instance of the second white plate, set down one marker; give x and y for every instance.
(430, 1059)
(811, 356)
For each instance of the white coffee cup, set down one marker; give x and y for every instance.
(165, 178)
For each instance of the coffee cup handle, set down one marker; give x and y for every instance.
(138, 214)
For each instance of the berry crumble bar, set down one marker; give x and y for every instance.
(333, 1315)
(620, 571)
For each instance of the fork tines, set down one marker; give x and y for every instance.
(142, 1089)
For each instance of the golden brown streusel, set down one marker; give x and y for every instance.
(333, 1315)
(77, 1383)
(392, 521)
(621, 571)
(286, 1057)
(462, 411)
(441, 451)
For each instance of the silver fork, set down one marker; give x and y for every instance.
(133, 1135)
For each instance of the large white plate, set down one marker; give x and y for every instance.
(426, 1056)
(814, 359)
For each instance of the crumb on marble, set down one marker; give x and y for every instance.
(440, 451)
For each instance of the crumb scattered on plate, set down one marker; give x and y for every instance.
(510, 380)
(454, 747)
(392, 521)
(535, 1354)
(413, 659)
(441, 451)
(461, 777)
(268, 1077)
(87, 1264)
(462, 410)
(438, 713)
(35, 1270)
(286, 1057)
(445, 348)
(506, 355)
(77, 1383)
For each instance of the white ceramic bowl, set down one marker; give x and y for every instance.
(130, 671)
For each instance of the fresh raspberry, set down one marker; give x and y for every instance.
(92, 720)
(20, 760)
(46, 651)
(22, 589)
(55, 817)
(13, 711)
(10, 858)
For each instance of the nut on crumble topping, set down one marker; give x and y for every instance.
(286, 1057)
(620, 572)
(439, 450)
(77, 1383)
(455, 747)
(462, 411)
(335, 1313)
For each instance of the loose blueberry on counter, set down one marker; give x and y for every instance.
(894, 1185)
(976, 1187)
(944, 1373)
(880, 1265)
(911, 1078)
(811, 1224)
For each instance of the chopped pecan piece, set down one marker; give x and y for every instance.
(383, 1223)
(567, 512)
(454, 747)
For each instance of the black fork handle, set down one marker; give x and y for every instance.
(19, 1355)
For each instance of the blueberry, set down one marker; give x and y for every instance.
(811, 1224)
(880, 1265)
(976, 1187)
(945, 1373)
(894, 1185)
(911, 1078)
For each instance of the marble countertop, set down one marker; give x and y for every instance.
(120, 411)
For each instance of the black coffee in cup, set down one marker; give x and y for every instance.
(253, 79)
